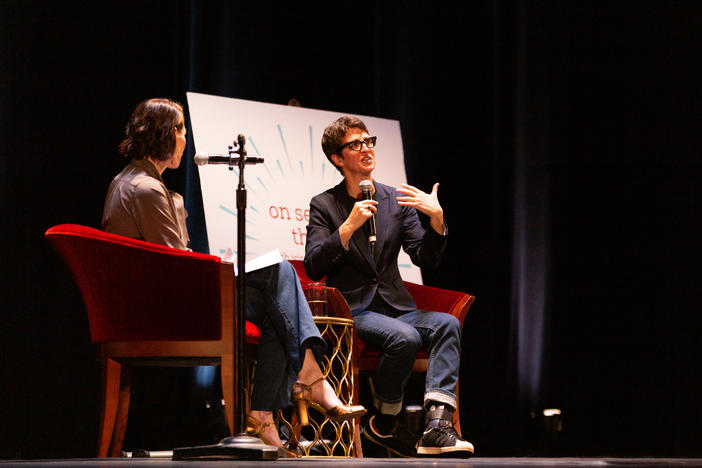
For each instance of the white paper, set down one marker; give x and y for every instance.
(267, 259)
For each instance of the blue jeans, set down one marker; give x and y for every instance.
(400, 339)
(276, 304)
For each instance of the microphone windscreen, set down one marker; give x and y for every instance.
(201, 159)
(366, 186)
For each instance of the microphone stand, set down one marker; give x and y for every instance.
(240, 446)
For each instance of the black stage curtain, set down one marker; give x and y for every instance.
(564, 136)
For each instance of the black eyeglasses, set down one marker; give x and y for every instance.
(356, 145)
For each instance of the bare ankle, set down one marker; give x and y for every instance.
(262, 416)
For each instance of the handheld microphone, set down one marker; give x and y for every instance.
(202, 159)
(366, 189)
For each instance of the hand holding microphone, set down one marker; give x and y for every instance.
(362, 211)
(366, 191)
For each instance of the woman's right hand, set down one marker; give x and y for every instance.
(360, 213)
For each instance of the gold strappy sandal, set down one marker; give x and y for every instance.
(255, 428)
(302, 397)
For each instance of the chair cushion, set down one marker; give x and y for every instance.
(253, 334)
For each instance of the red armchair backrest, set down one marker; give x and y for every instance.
(135, 290)
(299, 266)
(426, 297)
(440, 300)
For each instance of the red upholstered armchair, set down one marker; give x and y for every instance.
(149, 304)
(426, 297)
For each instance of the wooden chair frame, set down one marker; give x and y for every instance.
(117, 357)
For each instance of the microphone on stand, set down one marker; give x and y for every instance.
(202, 159)
(366, 188)
(240, 445)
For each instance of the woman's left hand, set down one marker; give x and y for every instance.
(427, 203)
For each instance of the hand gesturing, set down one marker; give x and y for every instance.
(427, 203)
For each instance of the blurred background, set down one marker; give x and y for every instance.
(565, 138)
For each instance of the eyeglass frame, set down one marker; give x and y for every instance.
(372, 140)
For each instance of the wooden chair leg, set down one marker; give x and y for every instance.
(357, 447)
(228, 378)
(111, 374)
(125, 388)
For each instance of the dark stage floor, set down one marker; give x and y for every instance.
(365, 462)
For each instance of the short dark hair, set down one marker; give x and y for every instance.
(335, 132)
(149, 131)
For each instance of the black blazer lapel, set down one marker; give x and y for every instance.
(381, 217)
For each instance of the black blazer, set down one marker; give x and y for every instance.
(354, 272)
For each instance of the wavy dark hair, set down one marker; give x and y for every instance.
(149, 131)
(334, 135)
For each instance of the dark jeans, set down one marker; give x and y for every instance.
(276, 304)
(400, 339)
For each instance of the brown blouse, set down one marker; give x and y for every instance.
(139, 206)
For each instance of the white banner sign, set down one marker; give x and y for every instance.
(294, 170)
